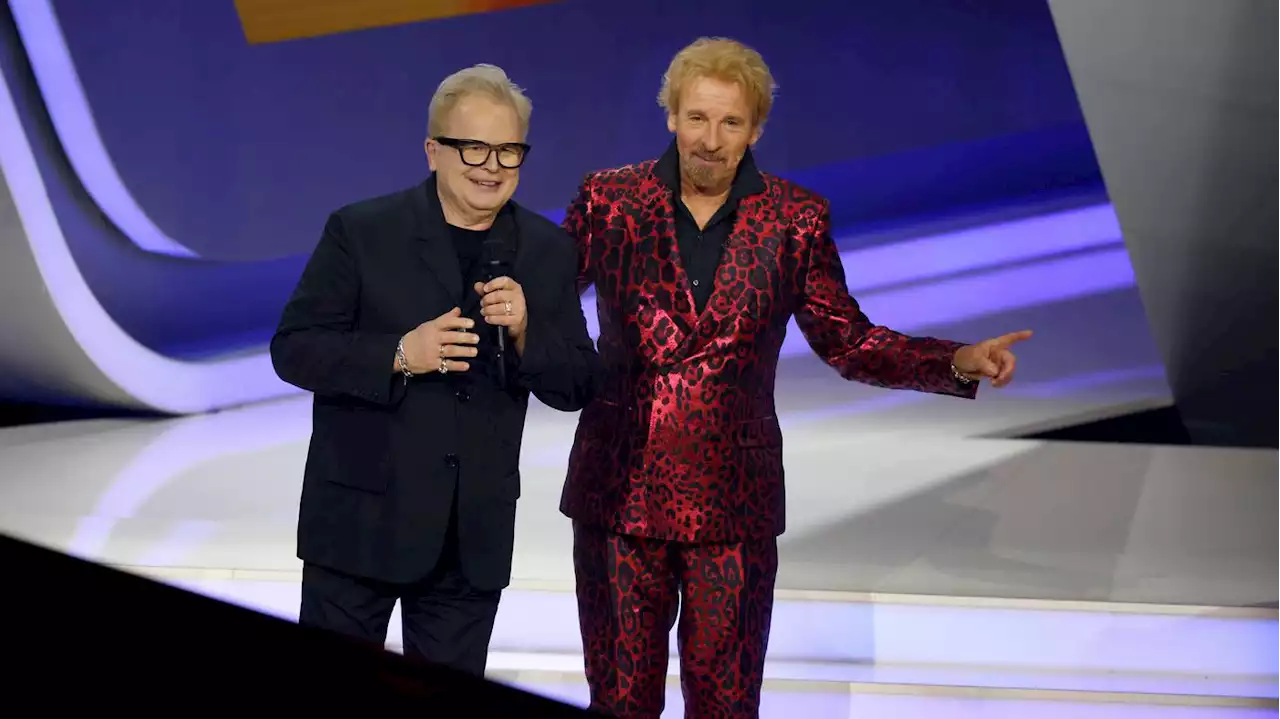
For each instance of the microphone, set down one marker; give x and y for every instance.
(494, 261)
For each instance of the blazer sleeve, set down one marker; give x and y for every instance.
(560, 365)
(835, 327)
(577, 222)
(316, 346)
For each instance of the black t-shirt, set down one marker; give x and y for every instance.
(468, 244)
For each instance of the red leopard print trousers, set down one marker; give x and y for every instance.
(630, 592)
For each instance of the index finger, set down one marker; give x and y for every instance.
(1006, 340)
(499, 283)
(451, 321)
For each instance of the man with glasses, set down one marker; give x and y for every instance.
(422, 323)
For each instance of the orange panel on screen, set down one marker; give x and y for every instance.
(266, 21)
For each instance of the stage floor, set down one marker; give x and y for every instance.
(872, 508)
(928, 566)
(931, 565)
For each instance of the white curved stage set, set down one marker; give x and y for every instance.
(934, 565)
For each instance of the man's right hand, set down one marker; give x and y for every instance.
(443, 338)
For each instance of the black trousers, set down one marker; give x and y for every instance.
(443, 618)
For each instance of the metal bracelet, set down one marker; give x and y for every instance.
(404, 363)
(961, 378)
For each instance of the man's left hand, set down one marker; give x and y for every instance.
(502, 304)
(990, 359)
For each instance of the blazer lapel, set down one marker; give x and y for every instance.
(661, 275)
(666, 295)
(435, 246)
(732, 289)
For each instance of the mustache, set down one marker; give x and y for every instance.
(705, 155)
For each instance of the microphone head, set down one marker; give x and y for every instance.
(495, 253)
(495, 256)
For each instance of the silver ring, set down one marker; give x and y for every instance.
(444, 366)
(441, 350)
(507, 306)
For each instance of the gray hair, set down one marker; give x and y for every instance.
(483, 79)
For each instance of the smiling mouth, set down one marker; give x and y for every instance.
(487, 184)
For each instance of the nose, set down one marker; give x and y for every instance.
(711, 140)
(491, 162)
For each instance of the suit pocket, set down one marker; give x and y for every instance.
(761, 432)
(757, 462)
(602, 446)
(352, 447)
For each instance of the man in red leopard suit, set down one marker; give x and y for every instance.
(675, 481)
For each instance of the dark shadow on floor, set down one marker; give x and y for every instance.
(1155, 426)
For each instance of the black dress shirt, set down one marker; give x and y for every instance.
(701, 248)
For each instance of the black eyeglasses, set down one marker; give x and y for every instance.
(476, 153)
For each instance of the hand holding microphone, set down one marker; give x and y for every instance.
(502, 300)
(502, 304)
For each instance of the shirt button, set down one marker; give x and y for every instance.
(695, 283)
(451, 459)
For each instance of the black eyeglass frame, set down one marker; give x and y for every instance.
(461, 144)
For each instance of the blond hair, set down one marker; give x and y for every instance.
(483, 79)
(721, 59)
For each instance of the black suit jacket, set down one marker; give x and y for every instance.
(386, 455)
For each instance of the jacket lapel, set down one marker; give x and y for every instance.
(664, 287)
(666, 307)
(435, 246)
(732, 288)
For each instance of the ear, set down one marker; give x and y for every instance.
(671, 122)
(756, 133)
(430, 148)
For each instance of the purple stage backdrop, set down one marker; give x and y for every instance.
(191, 172)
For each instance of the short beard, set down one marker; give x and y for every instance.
(702, 177)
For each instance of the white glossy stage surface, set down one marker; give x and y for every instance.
(926, 570)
